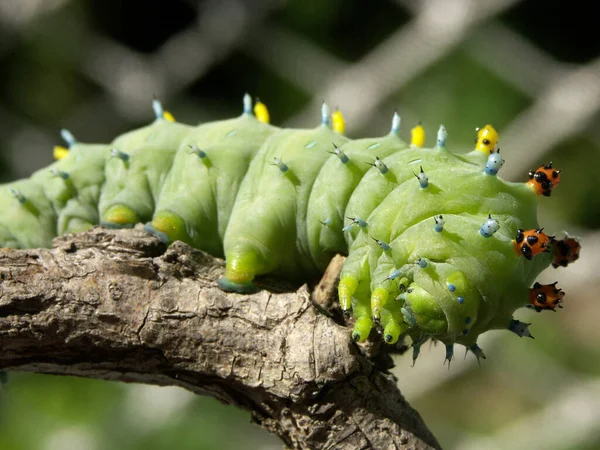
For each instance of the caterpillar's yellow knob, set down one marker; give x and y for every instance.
(417, 136)
(487, 138)
(60, 152)
(261, 112)
(337, 122)
(168, 116)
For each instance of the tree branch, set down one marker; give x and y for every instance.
(118, 305)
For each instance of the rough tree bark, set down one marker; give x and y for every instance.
(118, 305)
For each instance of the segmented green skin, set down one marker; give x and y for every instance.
(236, 202)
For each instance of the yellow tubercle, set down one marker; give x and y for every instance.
(168, 116)
(487, 138)
(417, 136)
(337, 122)
(261, 112)
(60, 152)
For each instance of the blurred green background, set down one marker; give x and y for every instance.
(529, 68)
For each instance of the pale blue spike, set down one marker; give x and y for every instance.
(119, 154)
(383, 245)
(358, 221)
(521, 329)
(355, 221)
(196, 151)
(395, 274)
(59, 174)
(477, 351)
(449, 353)
(422, 262)
(279, 163)
(18, 195)
(416, 352)
(247, 104)
(68, 137)
(442, 135)
(158, 109)
(327, 222)
(396, 123)
(325, 118)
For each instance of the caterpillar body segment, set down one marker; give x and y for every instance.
(439, 247)
(134, 180)
(330, 204)
(198, 195)
(268, 232)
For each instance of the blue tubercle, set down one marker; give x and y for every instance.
(247, 104)
(460, 299)
(380, 165)
(326, 222)
(325, 117)
(280, 164)
(340, 154)
(158, 109)
(119, 154)
(18, 195)
(494, 163)
(439, 224)
(451, 287)
(442, 135)
(396, 123)
(59, 174)
(383, 245)
(68, 137)
(195, 150)
(490, 226)
(423, 180)
(355, 221)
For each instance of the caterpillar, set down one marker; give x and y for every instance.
(438, 246)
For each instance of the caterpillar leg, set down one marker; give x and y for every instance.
(119, 216)
(168, 227)
(242, 266)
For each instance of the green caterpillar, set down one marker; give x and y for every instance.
(438, 246)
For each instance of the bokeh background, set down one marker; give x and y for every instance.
(530, 68)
